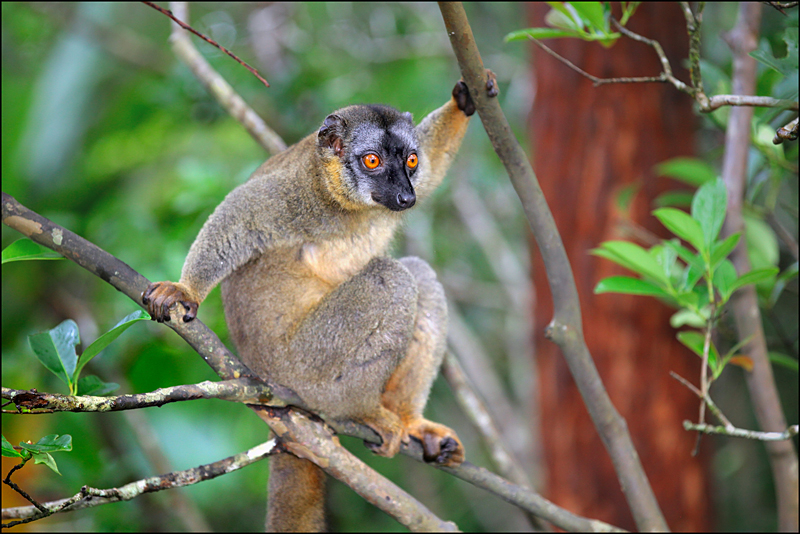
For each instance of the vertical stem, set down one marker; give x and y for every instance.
(761, 382)
(566, 329)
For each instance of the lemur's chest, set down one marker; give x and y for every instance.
(335, 260)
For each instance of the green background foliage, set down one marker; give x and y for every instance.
(106, 133)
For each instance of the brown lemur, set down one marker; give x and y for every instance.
(310, 299)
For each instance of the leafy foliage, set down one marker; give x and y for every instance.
(40, 451)
(589, 21)
(55, 349)
(673, 273)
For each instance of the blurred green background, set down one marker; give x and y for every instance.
(106, 133)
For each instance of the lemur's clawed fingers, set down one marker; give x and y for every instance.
(492, 90)
(439, 443)
(463, 98)
(388, 426)
(159, 297)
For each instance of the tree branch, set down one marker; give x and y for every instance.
(208, 345)
(706, 104)
(210, 41)
(89, 497)
(220, 89)
(566, 327)
(764, 394)
(238, 390)
(789, 433)
(317, 443)
(472, 405)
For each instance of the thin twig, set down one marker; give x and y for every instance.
(7, 481)
(219, 88)
(662, 57)
(597, 81)
(90, 497)
(693, 23)
(711, 405)
(734, 432)
(706, 104)
(717, 101)
(186, 27)
(704, 382)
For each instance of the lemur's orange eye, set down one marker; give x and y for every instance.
(412, 161)
(371, 161)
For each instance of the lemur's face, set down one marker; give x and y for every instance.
(378, 151)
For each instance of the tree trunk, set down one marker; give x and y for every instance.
(589, 143)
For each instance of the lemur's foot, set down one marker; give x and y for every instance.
(159, 297)
(440, 444)
(389, 427)
(463, 98)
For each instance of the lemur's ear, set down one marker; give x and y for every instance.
(331, 132)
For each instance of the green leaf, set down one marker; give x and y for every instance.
(56, 349)
(753, 277)
(784, 360)
(695, 341)
(539, 33)
(692, 339)
(50, 443)
(46, 459)
(682, 225)
(561, 17)
(708, 209)
(103, 341)
(592, 13)
(780, 283)
(25, 249)
(691, 171)
(629, 286)
(93, 385)
(631, 257)
(688, 299)
(667, 258)
(762, 244)
(724, 279)
(686, 317)
(9, 451)
(691, 275)
(786, 65)
(685, 254)
(721, 249)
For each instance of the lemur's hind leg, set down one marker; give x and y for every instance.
(409, 386)
(344, 352)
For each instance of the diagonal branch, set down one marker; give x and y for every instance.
(219, 88)
(207, 344)
(91, 497)
(210, 41)
(238, 390)
(566, 328)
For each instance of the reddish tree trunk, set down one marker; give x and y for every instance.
(588, 144)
